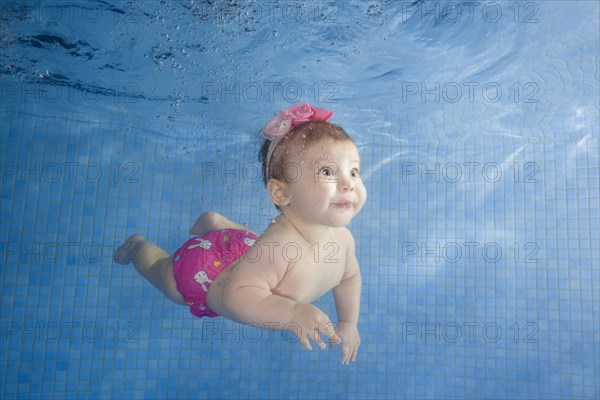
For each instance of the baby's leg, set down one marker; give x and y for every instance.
(212, 221)
(152, 262)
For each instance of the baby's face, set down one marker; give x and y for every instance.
(324, 185)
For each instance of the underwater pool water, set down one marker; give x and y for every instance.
(477, 124)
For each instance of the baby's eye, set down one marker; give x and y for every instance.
(326, 171)
(355, 173)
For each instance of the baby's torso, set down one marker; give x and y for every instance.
(312, 271)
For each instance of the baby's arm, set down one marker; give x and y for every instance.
(248, 298)
(347, 301)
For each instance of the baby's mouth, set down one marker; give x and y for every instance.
(343, 204)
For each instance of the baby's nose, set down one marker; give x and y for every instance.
(345, 184)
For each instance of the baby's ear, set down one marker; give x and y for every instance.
(278, 192)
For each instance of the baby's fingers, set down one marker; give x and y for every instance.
(328, 330)
(346, 354)
(302, 336)
(305, 342)
(349, 353)
(354, 354)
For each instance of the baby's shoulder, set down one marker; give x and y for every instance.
(277, 234)
(345, 238)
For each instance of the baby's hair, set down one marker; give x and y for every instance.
(308, 133)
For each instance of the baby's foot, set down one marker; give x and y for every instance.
(209, 221)
(128, 250)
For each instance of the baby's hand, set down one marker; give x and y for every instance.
(310, 322)
(348, 332)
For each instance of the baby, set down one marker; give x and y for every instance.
(311, 169)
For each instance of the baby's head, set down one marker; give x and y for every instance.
(312, 161)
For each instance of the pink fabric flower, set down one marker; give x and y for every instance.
(300, 113)
(284, 121)
(279, 126)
